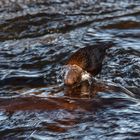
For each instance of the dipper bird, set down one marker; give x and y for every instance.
(84, 63)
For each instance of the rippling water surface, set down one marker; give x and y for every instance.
(36, 39)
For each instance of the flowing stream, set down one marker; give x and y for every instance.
(36, 38)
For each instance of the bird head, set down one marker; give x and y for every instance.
(73, 74)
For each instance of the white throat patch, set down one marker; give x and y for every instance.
(85, 76)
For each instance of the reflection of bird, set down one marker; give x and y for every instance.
(84, 63)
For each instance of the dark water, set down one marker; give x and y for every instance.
(36, 38)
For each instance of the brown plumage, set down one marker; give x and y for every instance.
(87, 59)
